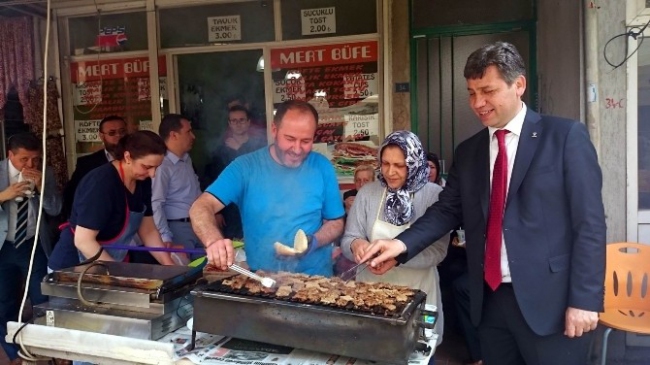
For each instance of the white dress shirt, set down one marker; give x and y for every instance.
(512, 142)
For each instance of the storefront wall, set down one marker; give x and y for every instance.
(180, 53)
(153, 57)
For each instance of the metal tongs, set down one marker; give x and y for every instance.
(266, 282)
(351, 272)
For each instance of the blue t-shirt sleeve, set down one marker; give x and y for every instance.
(93, 201)
(332, 204)
(229, 186)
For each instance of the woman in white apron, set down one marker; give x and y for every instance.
(386, 207)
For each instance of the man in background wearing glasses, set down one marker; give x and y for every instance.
(111, 129)
(237, 140)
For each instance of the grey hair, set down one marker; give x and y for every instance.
(365, 168)
(504, 56)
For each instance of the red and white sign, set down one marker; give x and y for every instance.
(331, 54)
(114, 69)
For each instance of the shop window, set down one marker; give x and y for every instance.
(209, 84)
(342, 82)
(437, 13)
(111, 87)
(242, 22)
(327, 18)
(107, 33)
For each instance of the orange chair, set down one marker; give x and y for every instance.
(627, 290)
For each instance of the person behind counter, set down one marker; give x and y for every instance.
(112, 204)
(386, 207)
(435, 174)
(278, 190)
(363, 174)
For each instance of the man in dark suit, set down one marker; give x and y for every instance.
(528, 189)
(111, 129)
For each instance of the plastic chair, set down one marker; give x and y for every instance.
(627, 297)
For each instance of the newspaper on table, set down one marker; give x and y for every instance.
(220, 350)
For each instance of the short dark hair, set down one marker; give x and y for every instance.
(436, 162)
(504, 56)
(240, 108)
(140, 144)
(26, 140)
(299, 105)
(170, 123)
(110, 118)
(238, 97)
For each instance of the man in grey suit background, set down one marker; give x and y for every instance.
(528, 191)
(18, 214)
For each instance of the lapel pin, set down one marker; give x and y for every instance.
(534, 135)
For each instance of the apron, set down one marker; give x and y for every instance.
(129, 229)
(423, 279)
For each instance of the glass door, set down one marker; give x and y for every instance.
(208, 85)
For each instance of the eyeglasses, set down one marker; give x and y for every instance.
(238, 121)
(113, 132)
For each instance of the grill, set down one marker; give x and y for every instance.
(370, 332)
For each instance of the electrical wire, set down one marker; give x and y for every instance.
(23, 352)
(631, 33)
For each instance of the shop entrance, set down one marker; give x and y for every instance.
(207, 84)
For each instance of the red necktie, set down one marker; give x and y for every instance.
(495, 217)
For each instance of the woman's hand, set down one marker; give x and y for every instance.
(358, 248)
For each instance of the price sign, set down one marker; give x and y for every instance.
(318, 21)
(88, 93)
(359, 126)
(146, 125)
(359, 86)
(293, 89)
(224, 28)
(87, 130)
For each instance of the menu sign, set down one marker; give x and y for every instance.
(87, 130)
(224, 28)
(111, 87)
(318, 21)
(341, 82)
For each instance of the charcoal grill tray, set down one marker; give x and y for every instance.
(310, 326)
(401, 314)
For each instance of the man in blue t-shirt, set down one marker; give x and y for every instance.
(279, 189)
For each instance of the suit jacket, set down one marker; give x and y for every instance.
(554, 221)
(85, 164)
(51, 206)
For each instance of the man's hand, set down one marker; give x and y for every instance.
(232, 143)
(578, 321)
(220, 253)
(14, 190)
(34, 175)
(386, 250)
(348, 203)
(382, 268)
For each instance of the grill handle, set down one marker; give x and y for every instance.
(427, 319)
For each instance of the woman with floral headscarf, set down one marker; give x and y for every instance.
(386, 207)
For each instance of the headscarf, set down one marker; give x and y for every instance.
(398, 207)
